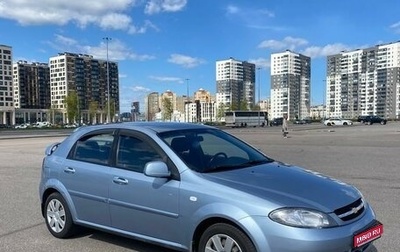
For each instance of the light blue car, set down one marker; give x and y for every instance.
(197, 188)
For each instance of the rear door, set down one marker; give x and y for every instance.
(86, 174)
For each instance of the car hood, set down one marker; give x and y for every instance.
(286, 185)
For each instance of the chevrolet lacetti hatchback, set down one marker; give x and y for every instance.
(192, 187)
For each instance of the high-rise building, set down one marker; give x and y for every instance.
(96, 85)
(290, 85)
(7, 109)
(364, 82)
(135, 111)
(235, 84)
(153, 106)
(31, 85)
(204, 107)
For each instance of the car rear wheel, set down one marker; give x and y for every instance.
(383, 122)
(58, 217)
(225, 238)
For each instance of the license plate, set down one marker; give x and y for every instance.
(367, 236)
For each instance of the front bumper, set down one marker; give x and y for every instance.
(270, 236)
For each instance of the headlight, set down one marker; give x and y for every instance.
(300, 217)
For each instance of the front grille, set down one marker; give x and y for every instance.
(351, 211)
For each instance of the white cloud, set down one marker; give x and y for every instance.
(147, 24)
(299, 45)
(157, 6)
(232, 9)
(132, 93)
(251, 17)
(140, 89)
(261, 62)
(115, 21)
(396, 27)
(65, 40)
(107, 14)
(185, 61)
(323, 51)
(117, 50)
(166, 79)
(287, 43)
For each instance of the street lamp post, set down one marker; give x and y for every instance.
(187, 101)
(107, 39)
(259, 88)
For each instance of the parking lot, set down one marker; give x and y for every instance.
(365, 156)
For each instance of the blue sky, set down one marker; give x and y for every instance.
(158, 44)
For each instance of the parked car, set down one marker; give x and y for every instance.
(197, 188)
(44, 124)
(303, 121)
(333, 121)
(72, 125)
(4, 126)
(374, 119)
(361, 118)
(22, 126)
(276, 121)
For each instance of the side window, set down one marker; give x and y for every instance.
(133, 153)
(94, 149)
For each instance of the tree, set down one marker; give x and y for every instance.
(167, 109)
(220, 111)
(241, 105)
(71, 102)
(93, 107)
(113, 109)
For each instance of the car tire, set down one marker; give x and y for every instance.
(58, 217)
(216, 236)
(383, 123)
(328, 124)
(369, 123)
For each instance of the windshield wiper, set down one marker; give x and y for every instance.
(238, 166)
(254, 162)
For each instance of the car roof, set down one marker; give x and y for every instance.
(157, 127)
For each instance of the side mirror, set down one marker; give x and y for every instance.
(157, 169)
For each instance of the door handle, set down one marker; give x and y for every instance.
(120, 181)
(69, 170)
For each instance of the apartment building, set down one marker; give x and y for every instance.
(95, 81)
(7, 109)
(171, 107)
(235, 81)
(31, 85)
(153, 106)
(205, 107)
(31, 92)
(290, 85)
(364, 82)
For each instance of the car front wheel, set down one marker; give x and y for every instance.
(58, 217)
(225, 238)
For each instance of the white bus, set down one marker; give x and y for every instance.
(246, 118)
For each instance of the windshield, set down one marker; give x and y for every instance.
(212, 150)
